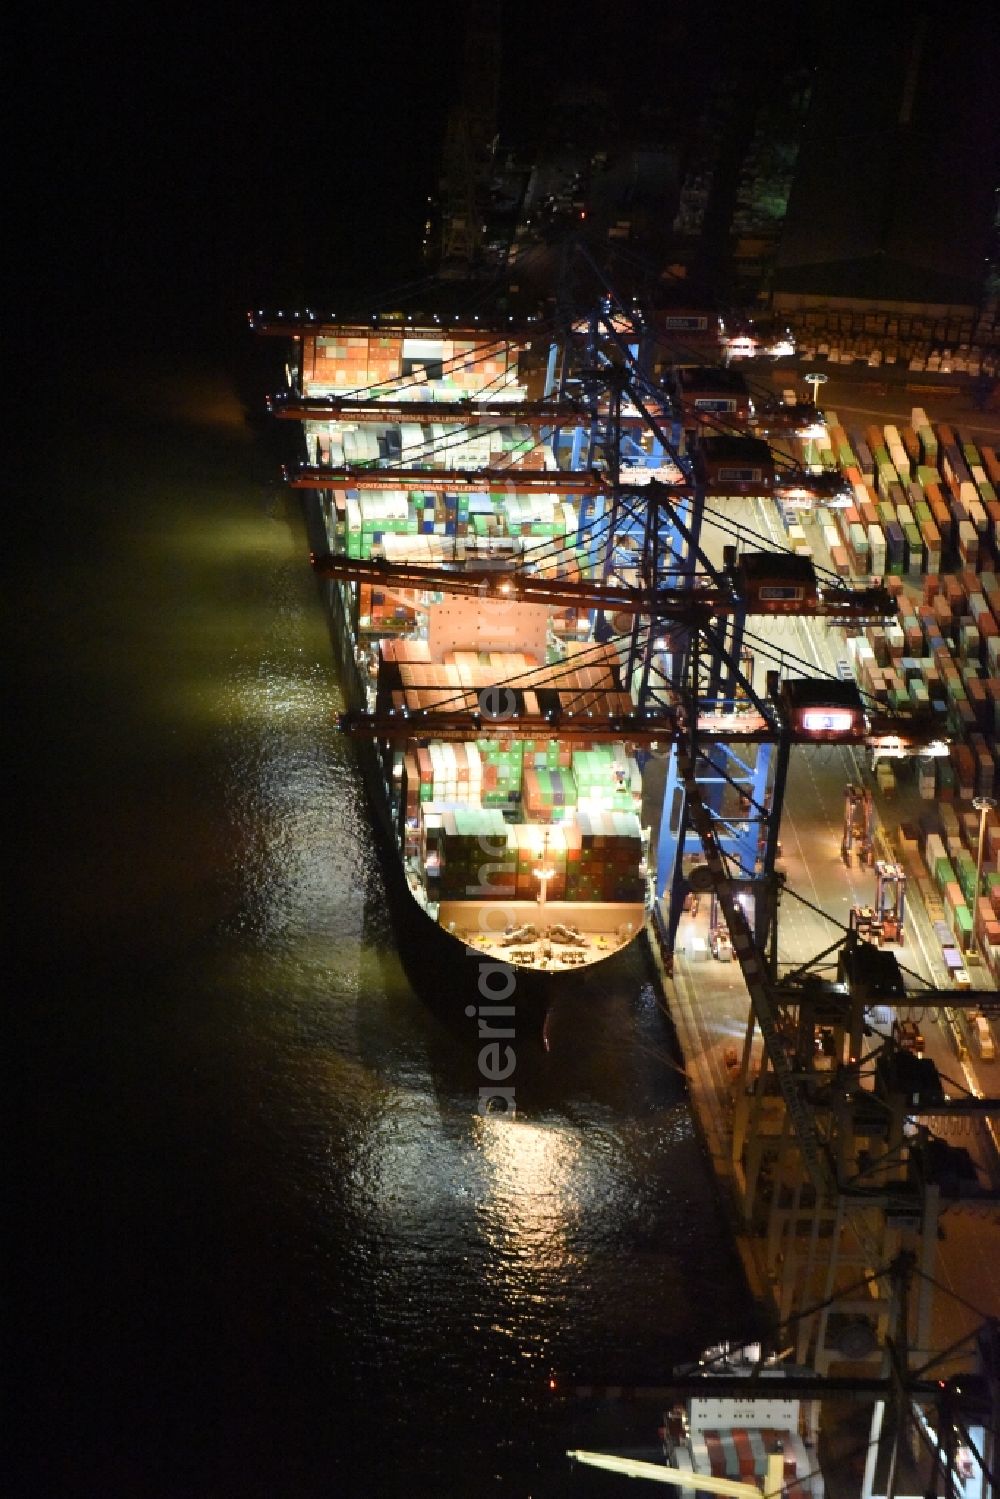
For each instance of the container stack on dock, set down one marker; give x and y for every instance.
(924, 516)
(921, 501)
(949, 344)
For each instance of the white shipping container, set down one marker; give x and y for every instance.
(885, 778)
(966, 534)
(887, 477)
(934, 848)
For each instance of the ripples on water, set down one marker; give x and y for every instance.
(278, 1250)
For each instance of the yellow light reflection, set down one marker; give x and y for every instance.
(268, 706)
(537, 1188)
(205, 400)
(231, 541)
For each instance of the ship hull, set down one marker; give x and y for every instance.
(442, 969)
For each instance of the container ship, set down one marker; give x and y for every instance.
(509, 523)
(767, 1439)
(461, 545)
(743, 1430)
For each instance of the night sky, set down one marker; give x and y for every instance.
(196, 160)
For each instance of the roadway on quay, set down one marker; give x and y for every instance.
(714, 994)
(887, 394)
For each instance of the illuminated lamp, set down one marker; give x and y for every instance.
(827, 721)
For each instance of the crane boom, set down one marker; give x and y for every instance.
(584, 724)
(451, 481)
(631, 1467)
(472, 413)
(683, 604)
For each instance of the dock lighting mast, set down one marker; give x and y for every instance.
(983, 805)
(816, 380)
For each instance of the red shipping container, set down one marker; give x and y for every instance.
(953, 591)
(841, 562)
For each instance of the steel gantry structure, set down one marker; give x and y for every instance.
(835, 1167)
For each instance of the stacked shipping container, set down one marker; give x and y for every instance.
(925, 517)
(475, 854)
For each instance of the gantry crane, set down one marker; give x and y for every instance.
(673, 623)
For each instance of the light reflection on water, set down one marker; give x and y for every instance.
(371, 1278)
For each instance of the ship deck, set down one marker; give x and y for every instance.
(603, 928)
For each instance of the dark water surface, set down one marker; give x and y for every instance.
(265, 1245)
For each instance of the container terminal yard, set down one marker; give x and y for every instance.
(799, 618)
(506, 941)
(750, 570)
